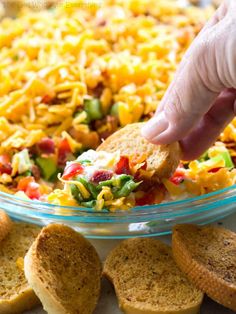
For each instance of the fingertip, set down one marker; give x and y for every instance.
(154, 127)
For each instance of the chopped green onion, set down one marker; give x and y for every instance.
(76, 193)
(203, 157)
(106, 183)
(93, 109)
(118, 181)
(89, 204)
(124, 177)
(85, 162)
(89, 186)
(27, 173)
(47, 167)
(126, 189)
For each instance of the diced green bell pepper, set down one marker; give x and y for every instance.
(115, 110)
(93, 109)
(47, 167)
(227, 158)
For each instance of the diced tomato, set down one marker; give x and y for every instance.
(63, 150)
(101, 175)
(178, 177)
(71, 170)
(47, 146)
(33, 191)
(5, 164)
(24, 182)
(214, 170)
(122, 167)
(144, 166)
(30, 187)
(4, 159)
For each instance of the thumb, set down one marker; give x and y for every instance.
(194, 89)
(187, 99)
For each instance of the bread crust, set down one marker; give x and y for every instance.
(139, 262)
(197, 271)
(50, 304)
(26, 301)
(163, 159)
(64, 270)
(17, 296)
(5, 225)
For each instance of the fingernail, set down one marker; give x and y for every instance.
(155, 126)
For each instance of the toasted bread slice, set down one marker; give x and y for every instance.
(15, 294)
(162, 159)
(64, 270)
(208, 257)
(148, 281)
(5, 225)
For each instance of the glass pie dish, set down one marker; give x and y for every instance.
(143, 221)
(139, 221)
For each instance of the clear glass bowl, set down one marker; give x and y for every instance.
(144, 221)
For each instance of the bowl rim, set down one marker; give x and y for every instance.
(168, 210)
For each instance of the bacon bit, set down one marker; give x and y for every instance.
(71, 170)
(6, 169)
(234, 160)
(47, 146)
(214, 170)
(5, 164)
(112, 125)
(101, 175)
(46, 99)
(88, 140)
(36, 172)
(154, 196)
(122, 167)
(63, 150)
(101, 23)
(97, 91)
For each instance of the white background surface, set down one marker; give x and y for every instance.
(108, 303)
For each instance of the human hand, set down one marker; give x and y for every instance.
(201, 100)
